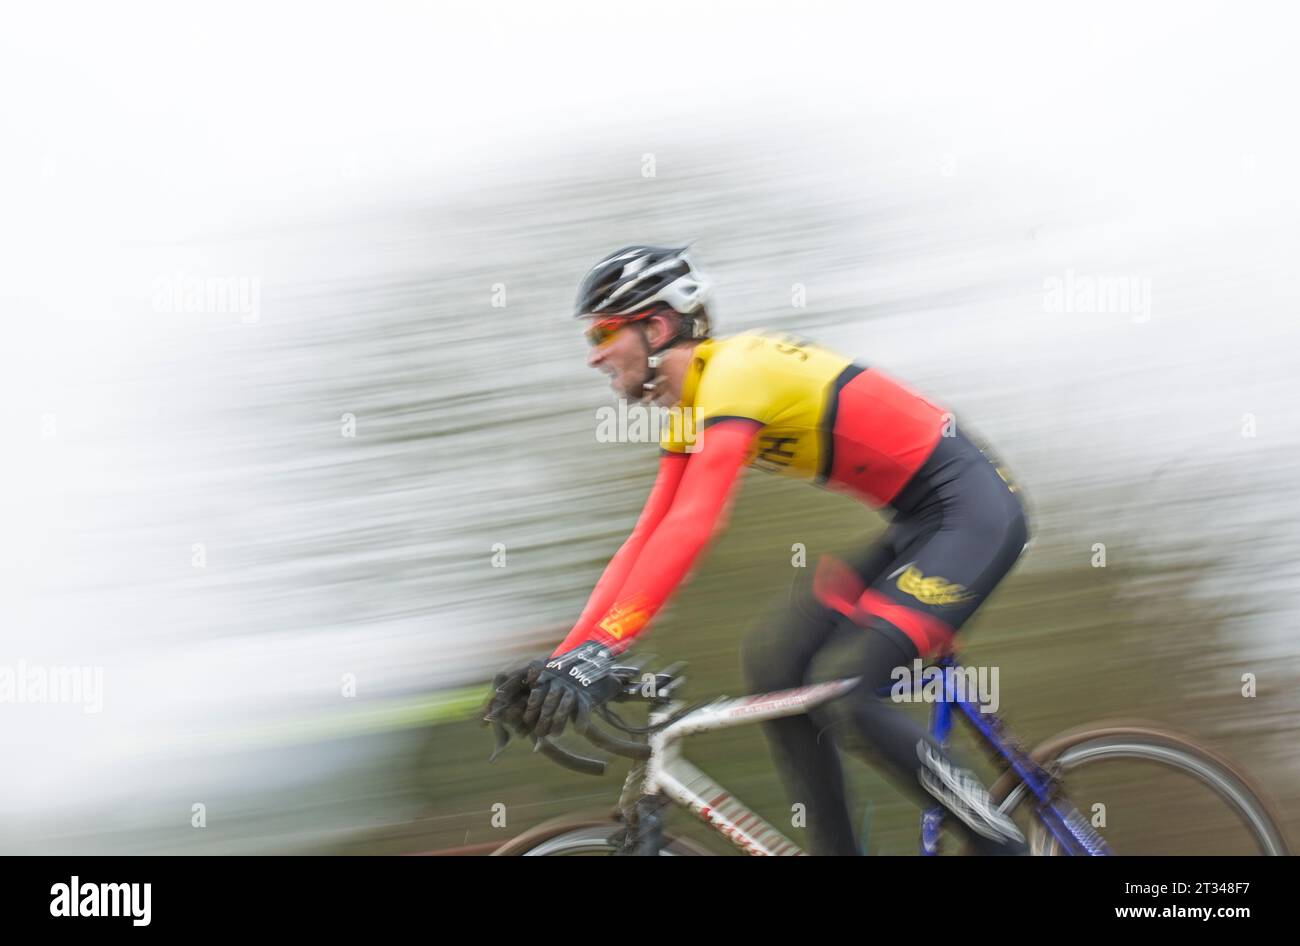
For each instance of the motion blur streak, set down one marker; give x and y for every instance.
(268, 426)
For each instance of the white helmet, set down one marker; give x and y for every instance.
(639, 279)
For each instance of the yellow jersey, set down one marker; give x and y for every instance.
(825, 418)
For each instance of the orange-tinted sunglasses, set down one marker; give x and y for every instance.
(602, 331)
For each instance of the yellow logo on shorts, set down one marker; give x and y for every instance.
(934, 590)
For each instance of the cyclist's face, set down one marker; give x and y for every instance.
(619, 351)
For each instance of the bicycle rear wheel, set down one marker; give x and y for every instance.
(1079, 752)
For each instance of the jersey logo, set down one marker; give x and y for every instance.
(933, 590)
(625, 618)
(772, 450)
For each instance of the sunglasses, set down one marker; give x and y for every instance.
(602, 331)
(599, 334)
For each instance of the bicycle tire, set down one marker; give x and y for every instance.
(570, 836)
(1100, 742)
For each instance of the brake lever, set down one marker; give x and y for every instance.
(502, 739)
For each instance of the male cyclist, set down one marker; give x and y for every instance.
(789, 406)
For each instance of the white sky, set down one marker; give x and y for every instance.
(158, 118)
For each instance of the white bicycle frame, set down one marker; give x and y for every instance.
(666, 773)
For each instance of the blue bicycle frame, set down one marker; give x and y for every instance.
(1070, 829)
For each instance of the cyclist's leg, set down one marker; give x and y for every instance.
(898, 744)
(777, 655)
(951, 557)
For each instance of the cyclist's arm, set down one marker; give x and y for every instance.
(671, 468)
(697, 509)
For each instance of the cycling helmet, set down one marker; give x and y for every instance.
(639, 281)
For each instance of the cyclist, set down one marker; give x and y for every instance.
(792, 407)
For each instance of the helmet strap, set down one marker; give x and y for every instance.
(655, 356)
(652, 360)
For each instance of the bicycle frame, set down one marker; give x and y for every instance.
(1062, 820)
(668, 775)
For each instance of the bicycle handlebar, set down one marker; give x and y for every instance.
(570, 760)
(615, 744)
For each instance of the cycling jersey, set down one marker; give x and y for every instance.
(824, 418)
(773, 401)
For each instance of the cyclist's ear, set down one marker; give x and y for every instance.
(658, 329)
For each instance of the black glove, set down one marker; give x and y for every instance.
(505, 705)
(568, 687)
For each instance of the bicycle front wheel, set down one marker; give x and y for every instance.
(1170, 796)
(578, 838)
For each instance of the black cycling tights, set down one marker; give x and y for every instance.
(810, 643)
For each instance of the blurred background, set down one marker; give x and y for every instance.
(292, 366)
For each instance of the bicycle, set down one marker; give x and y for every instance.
(661, 776)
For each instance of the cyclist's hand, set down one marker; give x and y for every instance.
(505, 705)
(569, 686)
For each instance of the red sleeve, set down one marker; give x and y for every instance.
(698, 509)
(671, 468)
